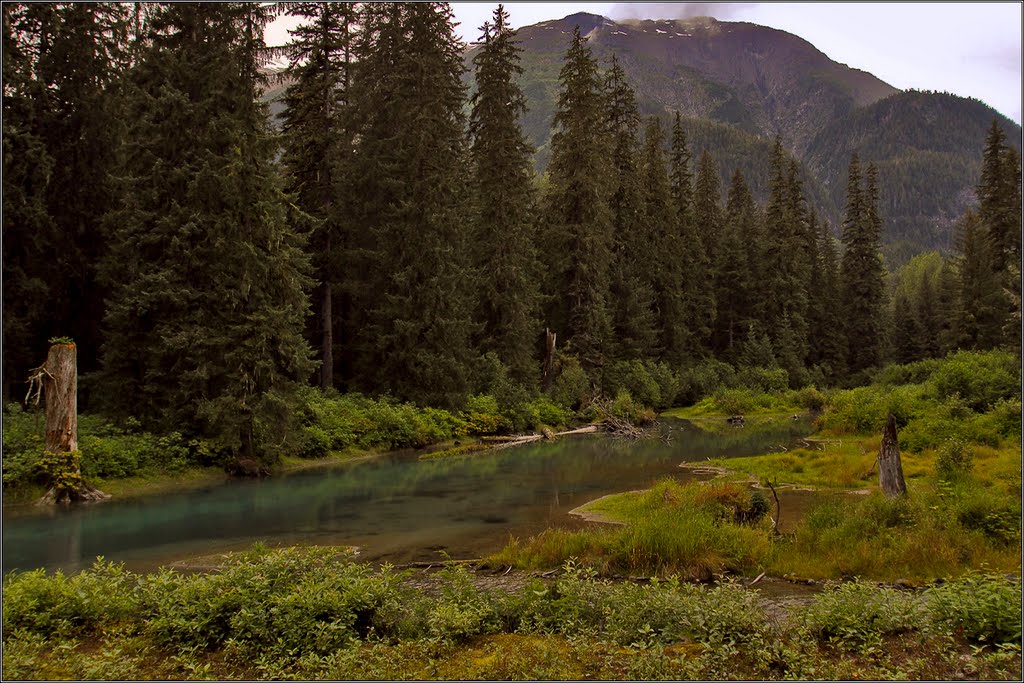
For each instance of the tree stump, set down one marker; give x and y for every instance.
(57, 380)
(890, 467)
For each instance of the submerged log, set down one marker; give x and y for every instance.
(890, 467)
(57, 381)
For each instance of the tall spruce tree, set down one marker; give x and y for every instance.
(317, 126)
(689, 308)
(666, 247)
(827, 349)
(632, 293)
(787, 259)
(504, 201)
(410, 174)
(578, 220)
(982, 301)
(862, 271)
(703, 227)
(999, 197)
(733, 284)
(208, 284)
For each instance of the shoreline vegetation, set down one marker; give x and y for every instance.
(922, 586)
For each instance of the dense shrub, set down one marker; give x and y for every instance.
(571, 388)
(107, 451)
(984, 608)
(762, 379)
(979, 379)
(955, 460)
(855, 613)
(58, 604)
(703, 379)
(652, 384)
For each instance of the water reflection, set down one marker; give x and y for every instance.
(394, 507)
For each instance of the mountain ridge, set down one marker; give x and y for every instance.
(761, 82)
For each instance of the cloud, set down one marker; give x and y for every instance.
(679, 10)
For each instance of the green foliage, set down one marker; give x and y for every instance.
(985, 608)
(624, 407)
(979, 379)
(105, 451)
(62, 605)
(954, 460)
(652, 384)
(571, 387)
(858, 613)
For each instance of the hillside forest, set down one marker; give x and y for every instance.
(392, 240)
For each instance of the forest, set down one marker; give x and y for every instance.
(394, 241)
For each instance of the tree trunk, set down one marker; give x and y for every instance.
(57, 379)
(547, 375)
(327, 328)
(890, 467)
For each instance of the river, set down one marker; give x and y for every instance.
(395, 507)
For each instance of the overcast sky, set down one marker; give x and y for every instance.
(969, 49)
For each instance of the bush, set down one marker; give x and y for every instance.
(979, 379)
(954, 460)
(984, 608)
(60, 605)
(625, 408)
(571, 387)
(704, 379)
(856, 613)
(653, 384)
(762, 379)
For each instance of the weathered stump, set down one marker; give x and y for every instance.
(57, 381)
(890, 467)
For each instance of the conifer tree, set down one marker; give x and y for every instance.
(733, 285)
(862, 271)
(787, 259)
(704, 228)
(666, 248)
(999, 198)
(410, 173)
(948, 308)
(208, 284)
(982, 302)
(578, 219)
(689, 310)
(631, 289)
(317, 126)
(827, 349)
(504, 201)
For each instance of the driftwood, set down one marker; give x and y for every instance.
(778, 509)
(509, 441)
(617, 426)
(890, 467)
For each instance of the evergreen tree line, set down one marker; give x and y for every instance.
(971, 299)
(394, 238)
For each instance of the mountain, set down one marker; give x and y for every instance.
(738, 85)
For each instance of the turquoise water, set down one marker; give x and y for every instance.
(395, 507)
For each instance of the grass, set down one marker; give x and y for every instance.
(694, 531)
